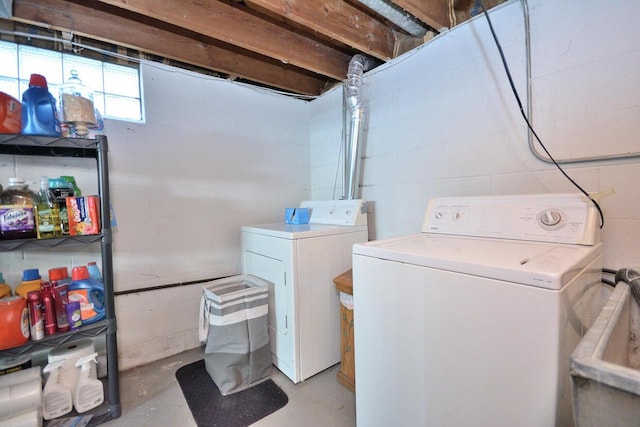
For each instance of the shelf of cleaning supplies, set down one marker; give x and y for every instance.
(31, 145)
(88, 148)
(57, 339)
(96, 416)
(12, 245)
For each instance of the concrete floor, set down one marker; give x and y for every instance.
(151, 396)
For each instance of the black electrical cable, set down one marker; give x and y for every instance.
(526, 119)
(609, 282)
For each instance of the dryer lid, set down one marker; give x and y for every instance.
(301, 231)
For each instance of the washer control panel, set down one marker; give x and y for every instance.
(560, 218)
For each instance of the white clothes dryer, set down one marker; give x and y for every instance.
(301, 261)
(472, 322)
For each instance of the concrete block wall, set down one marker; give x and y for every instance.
(442, 120)
(211, 157)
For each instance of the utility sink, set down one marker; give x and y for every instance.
(605, 366)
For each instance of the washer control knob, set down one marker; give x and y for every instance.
(550, 217)
(437, 215)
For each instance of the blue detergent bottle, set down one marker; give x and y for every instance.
(39, 112)
(89, 293)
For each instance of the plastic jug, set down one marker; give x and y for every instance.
(5, 290)
(10, 114)
(48, 223)
(39, 113)
(59, 275)
(17, 211)
(94, 271)
(60, 189)
(14, 318)
(89, 293)
(31, 281)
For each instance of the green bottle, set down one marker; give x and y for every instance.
(47, 213)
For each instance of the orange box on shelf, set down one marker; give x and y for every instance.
(10, 114)
(84, 215)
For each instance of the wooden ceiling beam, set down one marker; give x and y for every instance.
(434, 12)
(92, 23)
(338, 20)
(235, 26)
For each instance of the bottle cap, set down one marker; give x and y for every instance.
(59, 183)
(31, 274)
(38, 80)
(79, 273)
(19, 182)
(58, 273)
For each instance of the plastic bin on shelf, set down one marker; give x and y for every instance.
(234, 325)
(605, 366)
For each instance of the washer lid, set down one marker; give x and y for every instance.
(544, 265)
(301, 231)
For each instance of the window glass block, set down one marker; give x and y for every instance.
(40, 61)
(89, 71)
(10, 87)
(119, 80)
(98, 102)
(116, 88)
(9, 59)
(122, 107)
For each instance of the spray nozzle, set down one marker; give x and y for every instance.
(84, 362)
(53, 366)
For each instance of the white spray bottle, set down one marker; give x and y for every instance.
(56, 397)
(88, 392)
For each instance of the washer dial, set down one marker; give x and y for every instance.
(551, 219)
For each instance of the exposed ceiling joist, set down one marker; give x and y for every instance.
(435, 13)
(300, 46)
(238, 27)
(338, 20)
(84, 21)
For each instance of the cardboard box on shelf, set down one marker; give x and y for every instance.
(84, 215)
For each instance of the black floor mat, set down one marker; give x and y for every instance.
(210, 409)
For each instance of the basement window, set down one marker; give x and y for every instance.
(116, 88)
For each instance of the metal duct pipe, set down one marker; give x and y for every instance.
(353, 108)
(398, 16)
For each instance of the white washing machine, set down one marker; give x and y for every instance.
(472, 322)
(301, 262)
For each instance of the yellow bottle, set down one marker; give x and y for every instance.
(31, 281)
(47, 213)
(5, 290)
